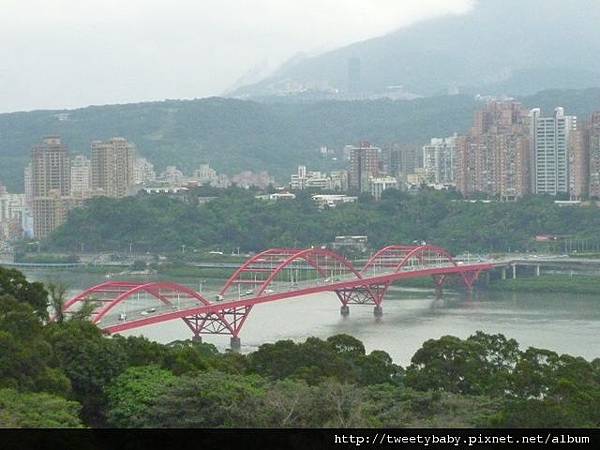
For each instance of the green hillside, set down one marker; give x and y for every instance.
(234, 135)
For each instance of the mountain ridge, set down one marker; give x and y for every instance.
(497, 48)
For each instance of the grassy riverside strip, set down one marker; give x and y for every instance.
(577, 284)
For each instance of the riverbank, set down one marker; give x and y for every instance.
(577, 284)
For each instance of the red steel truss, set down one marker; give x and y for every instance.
(273, 275)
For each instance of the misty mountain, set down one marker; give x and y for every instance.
(234, 135)
(514, 47)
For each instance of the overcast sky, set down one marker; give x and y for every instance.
(72, 53)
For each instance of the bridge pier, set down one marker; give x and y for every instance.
(197, 338)
(439, 285)
(514, 271)
(235, 344)
(439, 292)
(378, 311)
(503, 273)
(345, 310)
(537, 271)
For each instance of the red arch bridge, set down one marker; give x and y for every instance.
(273, 275)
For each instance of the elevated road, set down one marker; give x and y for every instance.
(273, 275)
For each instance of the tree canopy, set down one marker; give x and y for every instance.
(69, 374)
(236, 219)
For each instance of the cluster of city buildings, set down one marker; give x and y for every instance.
(511, 151)
(56, 181)
(371, 170)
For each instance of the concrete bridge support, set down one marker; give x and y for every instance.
(378, 312)
(235, 344)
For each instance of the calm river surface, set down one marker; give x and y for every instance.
(560, 322)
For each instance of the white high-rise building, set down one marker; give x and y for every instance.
(550, 149)
(80, 177)
(439, 160)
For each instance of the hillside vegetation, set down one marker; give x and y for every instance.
(234, 135)
(237, 219)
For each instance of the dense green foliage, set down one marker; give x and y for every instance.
(13, 283)
(68, 374)
(237, 219)
(31, 410)
(237, 135)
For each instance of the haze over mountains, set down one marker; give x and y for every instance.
(511, 47)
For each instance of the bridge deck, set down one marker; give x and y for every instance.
(171, 312)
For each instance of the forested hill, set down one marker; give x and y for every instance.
(234, 135)
(237, 220)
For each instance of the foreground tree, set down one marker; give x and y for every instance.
(479, 365)
(26, 358)
(33, 410)
(90, 361)
(14, 284)
(133, 392)
(209, 399)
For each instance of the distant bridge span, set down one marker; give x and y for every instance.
(273, 275)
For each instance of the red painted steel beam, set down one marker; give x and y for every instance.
(348, 284)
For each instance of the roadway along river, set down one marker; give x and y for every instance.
(559, 322)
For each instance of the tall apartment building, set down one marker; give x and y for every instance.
(494, 158)
(80, 177)
(50, 185)
(550, 140)
(364, 164)
(12, 215)
(28, 185)
(112, 167)
(404, 159)
(594, 155)
(439, 160)
(579, 164)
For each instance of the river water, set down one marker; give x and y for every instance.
(560, 322)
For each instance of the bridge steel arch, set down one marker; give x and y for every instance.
(266, 266)
(264, 270)
(110, 294)
(396, 258)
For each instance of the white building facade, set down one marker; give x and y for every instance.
(550, 137)
(439, 160)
